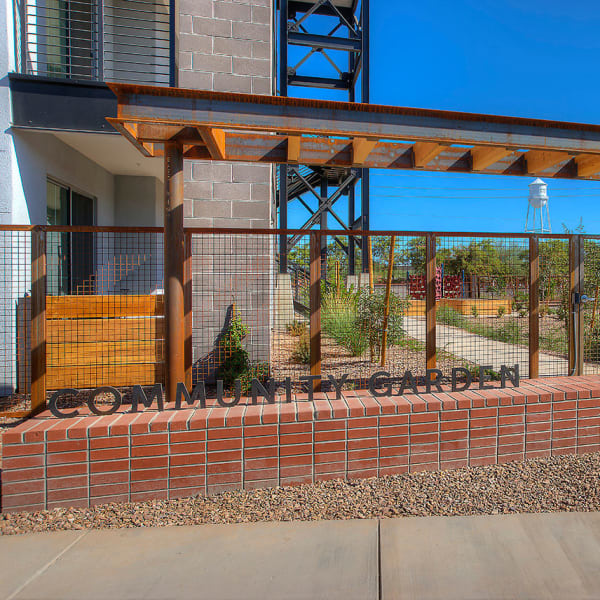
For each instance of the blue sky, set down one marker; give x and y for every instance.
(529, 58)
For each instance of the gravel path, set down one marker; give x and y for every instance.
(566, 483)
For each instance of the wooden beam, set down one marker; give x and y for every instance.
(425, 152)
(430, 301)
(534, 307)
(38, 320)
(484, 156)
(293, 149)
(361, 148)
(215, 141)
(587, 164)
(174, 259)
(315, 307)
(540, 160)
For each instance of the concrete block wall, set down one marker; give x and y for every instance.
(227, 46)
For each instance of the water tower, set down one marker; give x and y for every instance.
(538, 208)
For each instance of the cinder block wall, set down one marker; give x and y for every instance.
(226, 46)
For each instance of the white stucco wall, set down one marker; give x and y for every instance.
(42, 155)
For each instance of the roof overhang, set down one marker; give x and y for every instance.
(271, 129)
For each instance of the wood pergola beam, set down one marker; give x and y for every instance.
(425, 152)
(587, 164)
(361, 148)
(484, 156)
(215, 141)
(293, 149)
(539, 160)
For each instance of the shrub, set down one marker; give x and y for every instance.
(301, 353)
(522, 313)
(501, 311)
(370, 317)
(339, 320)
(474, 311)
(296, 328)
(236, 363)
(544, 310)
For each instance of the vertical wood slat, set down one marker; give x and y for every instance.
(188, 292)
(575, 315)
(386, 309)
(534, 307)
(38, 320)
(315, 307)
(430, 301)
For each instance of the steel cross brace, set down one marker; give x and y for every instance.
(325, 204)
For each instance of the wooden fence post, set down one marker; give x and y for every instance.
(430, 300)
(188, 291)
(534, 307)
(575, 315)
(315, 307)
(174, 252)
(38, 320)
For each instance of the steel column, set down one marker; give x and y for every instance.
(174, 257)
(283, 47)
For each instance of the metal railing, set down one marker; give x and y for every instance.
(96, 40)
(82, 307)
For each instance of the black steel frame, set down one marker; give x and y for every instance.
(294, 21)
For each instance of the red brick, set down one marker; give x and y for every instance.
(60, 483)
(22, 450)
(197, 435)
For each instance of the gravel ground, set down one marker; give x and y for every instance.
(567, 483)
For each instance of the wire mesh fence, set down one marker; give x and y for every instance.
(15, 317)
(482, 302)
(555, 302)
(591, 316)
(104, 323)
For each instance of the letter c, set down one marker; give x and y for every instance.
(53, 400)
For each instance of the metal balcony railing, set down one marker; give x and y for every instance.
(96, 40)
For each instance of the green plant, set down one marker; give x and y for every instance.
(474, 311)
(501, 311)
(301, 353)
(339, 320)
(236, 363)
(522, 313)
(544, 310)
(370, 318)
(296, 328)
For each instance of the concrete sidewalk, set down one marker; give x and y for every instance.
(507, 556)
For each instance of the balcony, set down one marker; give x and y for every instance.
(96, 40)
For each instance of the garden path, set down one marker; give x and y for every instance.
(484, 351)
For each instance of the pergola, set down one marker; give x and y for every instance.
(180, 123)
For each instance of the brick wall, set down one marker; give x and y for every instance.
(91, 460)
(226, 46)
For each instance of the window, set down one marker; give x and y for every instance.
(71, 256)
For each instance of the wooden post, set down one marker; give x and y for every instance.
(315, 307)
(386, 309)
(575, 320)
(534, 307)
(188, 290)
(430, 301)
(174, 270)
(38, 320)
(370, 259)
